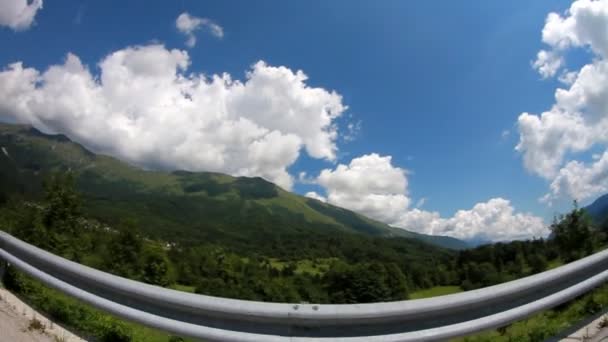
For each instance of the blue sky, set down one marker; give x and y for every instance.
(437, 87)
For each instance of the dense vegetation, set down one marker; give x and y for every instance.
(338, 268)
(341, 268)
(548, 324)
(330, 267)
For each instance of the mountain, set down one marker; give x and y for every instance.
(598, 210)
(180, 205)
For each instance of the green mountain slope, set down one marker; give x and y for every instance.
(180, 205)
(599, 209)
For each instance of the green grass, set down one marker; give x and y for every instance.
(184, 288)
(554, 263)
(549, 323)
(308, 266)
(81, 318)
(297, 205)
(317, 267)
(435, 291)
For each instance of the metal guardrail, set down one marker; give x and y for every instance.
(221, 319)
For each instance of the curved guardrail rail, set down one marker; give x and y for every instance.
(221, 319)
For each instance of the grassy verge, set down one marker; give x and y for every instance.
(84, 319)
(183, 288)
(435, 291)
(548, 323)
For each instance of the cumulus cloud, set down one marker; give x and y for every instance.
(371, 185)
(578, 120)
(188, 25)
(315, 195)
(584, 25)
(567, 77)
(145, 107)
(494, 220)
(579, 180)
(547, 63)
(544, 140)
(18, 14)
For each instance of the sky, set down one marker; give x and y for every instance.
(478, 120)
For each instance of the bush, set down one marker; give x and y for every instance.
(61, 313)
(11, 280)
(36, 324)
(538, 335)
(591, 307)
(114, 331)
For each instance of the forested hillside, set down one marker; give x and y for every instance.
(181, 206)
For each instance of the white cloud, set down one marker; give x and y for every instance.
(494, 220)
(578, 120)
(353, 129)
(188, 25)
(420, 221)
(146, 108)
(314, 195)
(18, 14)
(371, 185)
(547, 63)
(584, 25)
(567, 77)
(544, 140)
(580, 181)
(303, 178)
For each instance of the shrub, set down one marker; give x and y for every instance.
(115, 332)
(591, 307)
(36, 324)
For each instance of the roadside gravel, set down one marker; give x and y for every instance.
(16, 317)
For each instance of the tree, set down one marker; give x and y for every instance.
(396, 282)
(363, 283)
(537, 262)
(156, 267)
(29, 227)
(62, 204)
(124, 250)
(573, 234)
